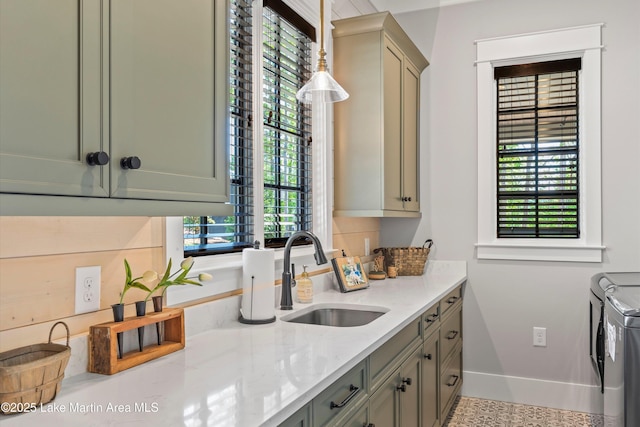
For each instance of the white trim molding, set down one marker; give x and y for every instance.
(577, 42)
(530, 391)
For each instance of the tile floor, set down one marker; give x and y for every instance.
(472, 412)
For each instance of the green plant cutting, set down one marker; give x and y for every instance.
(179, 277)
(148, 276)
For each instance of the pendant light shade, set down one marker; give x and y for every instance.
(321, 86)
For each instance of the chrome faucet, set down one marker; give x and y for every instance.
(286, 301)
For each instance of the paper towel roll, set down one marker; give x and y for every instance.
(258, 291)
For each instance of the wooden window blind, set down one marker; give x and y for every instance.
(538, 150)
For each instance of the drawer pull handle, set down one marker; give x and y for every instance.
(432, 318)
(455, 380)
(452, 300)
(451, 335)
(354, 390)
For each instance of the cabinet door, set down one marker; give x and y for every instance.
(302, 418)
(168, 99)
(430, 380)
(410, 392)
(410, 143)
(50, 97)
(392, 104)
(384, 404)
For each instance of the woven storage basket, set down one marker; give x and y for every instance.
(33, 374)
(409, 261)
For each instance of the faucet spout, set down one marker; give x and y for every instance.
(286, 300)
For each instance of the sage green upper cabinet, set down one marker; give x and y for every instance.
(143, 82)
(163, 100)
(377, 154)
(50, 97)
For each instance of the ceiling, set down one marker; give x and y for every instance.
(347, 8)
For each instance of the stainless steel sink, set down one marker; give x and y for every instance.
(333, 315)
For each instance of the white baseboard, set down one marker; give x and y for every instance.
(529, 391)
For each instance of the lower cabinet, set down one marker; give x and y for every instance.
(430, 380)
(410, 381)
(302, 418)
(337, 402)
(397, 401)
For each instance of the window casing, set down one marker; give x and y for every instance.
(279, 183)
(577, 42)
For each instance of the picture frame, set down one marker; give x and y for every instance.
(350, 273)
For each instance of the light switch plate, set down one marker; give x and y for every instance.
(87, 289)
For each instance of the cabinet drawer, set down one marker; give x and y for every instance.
(448, 301)
(451, 331)
(342, 397)
(450, 381)
(392, 353)
(430, 318)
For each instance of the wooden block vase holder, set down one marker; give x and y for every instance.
(103, 343)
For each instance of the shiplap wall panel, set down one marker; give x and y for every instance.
(349, 234)
(32, 236)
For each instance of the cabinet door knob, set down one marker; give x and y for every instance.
(406, 381)
(428, 356)
(98, 158)
(402, 388)
(132, 162)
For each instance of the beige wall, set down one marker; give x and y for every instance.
(39, 255)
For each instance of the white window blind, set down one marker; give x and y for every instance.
(538, 150)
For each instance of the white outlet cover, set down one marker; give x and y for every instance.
(87, 289)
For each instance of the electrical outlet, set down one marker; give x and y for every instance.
(87, 289)
(539, 337)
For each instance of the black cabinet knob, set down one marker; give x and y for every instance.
(402, 388)
(406, 381)
(428, 356)
(406, 199)
(132, 162)
(99, 158)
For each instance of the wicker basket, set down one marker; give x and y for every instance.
(32, 374)
(409, 261)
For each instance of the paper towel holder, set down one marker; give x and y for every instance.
(241, 318)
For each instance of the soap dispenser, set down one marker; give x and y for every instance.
(304, 287)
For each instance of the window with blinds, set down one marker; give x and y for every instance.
(286, 165)
(286, 54)
(538, 150)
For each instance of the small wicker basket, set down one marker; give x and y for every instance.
(32, 374)
(408, 261)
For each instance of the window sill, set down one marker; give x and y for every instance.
(539, 252)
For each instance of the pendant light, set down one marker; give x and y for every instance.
(321, 86)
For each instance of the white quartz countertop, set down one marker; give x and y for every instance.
(245, 375)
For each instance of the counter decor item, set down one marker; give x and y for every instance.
(349, 273)
(258, 290)
(304, 287)
(33, 374)
(377, 269)
(118, 309)
(408, 261)
(167, 280)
